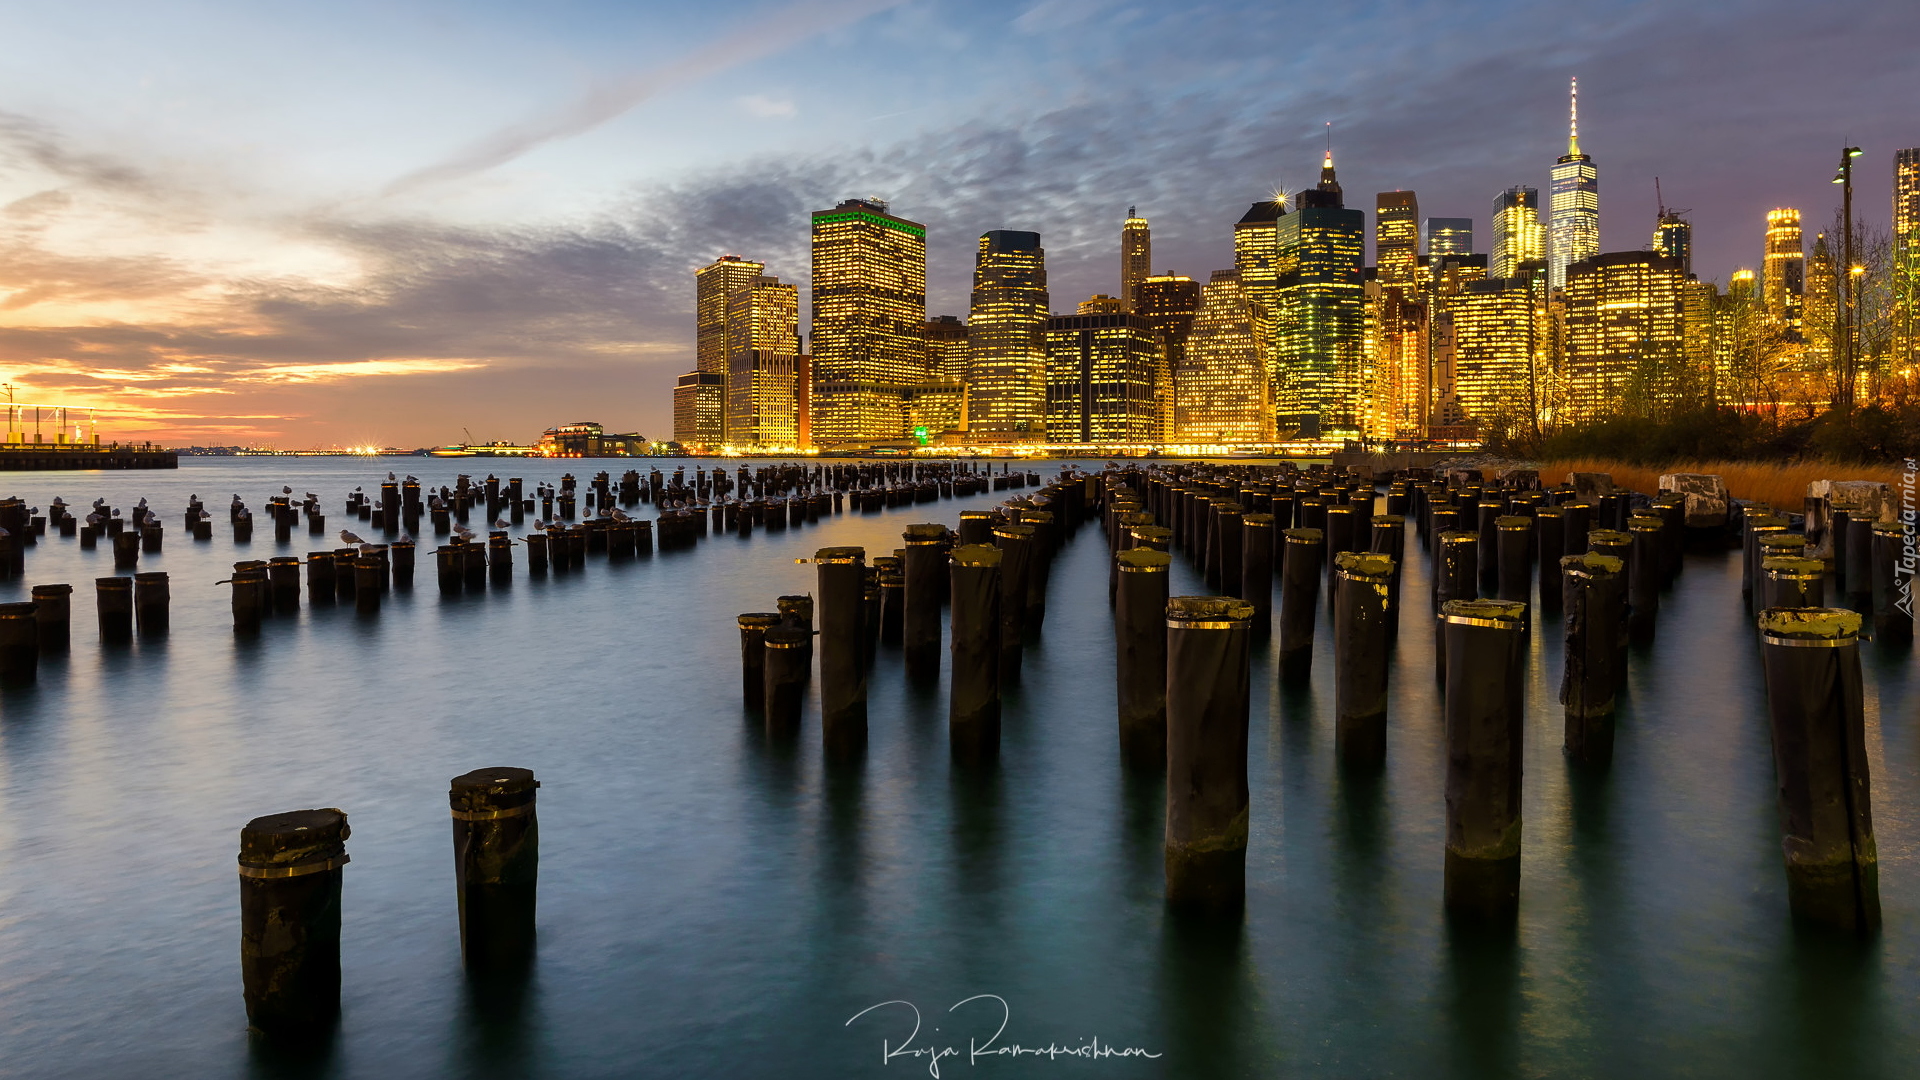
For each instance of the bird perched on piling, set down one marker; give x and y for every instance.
(462, 532)
(349, 538)
(286, 491)
(620, 515)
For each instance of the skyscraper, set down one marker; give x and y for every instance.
(1625, 321)
(1496, 340)
(1783, 273)
(1396, 366)
(1517, 235)
(1449, 236)
(1905, 349)
(1256, 252)
(1321, 279)
(699, 409)
(1168, 303)
(763, 332)
(1136, 254)
(714, 286)
(1575, 208)
(1101, 371)
(869, 314)
(1820, 305)
(1396, 239)
(1222, 390)
(1673, 235)
(946, 339)
(1006, 339)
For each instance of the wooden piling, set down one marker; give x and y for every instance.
(753, 634)
(926, 590)
(19, 645)
(1892, 623)
(843, 675)
(290, 878)
(1016, 545)
(1140, 661)
(1256, 570)
(1485, 718)
(783, 672)
(496, 858)
(1815, 703)
(1515, 558)
(1208, 650)
(1595, 602)
(126, 551)
(113, 599)
(152, 596)
(283, 578)
(53, 617)
(1362, 613)
(249, 600)
(1299, 601)
(367, 572)
(1791, 582)
(973, 713)
(320, 567)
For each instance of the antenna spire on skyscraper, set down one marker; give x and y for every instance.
(1327, 182)
(1573, 118)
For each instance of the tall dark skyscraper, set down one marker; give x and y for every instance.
(1449, 236)
(1322, 311)
(1673, 235)
(1575, 203)
(1136, 254)
(1168, 303)
(1006, 339)
(1396, 239)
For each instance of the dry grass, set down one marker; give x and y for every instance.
(1783, 486)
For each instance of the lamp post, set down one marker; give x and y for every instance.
(1844, 177)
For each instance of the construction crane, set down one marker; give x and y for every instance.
(1660, 202)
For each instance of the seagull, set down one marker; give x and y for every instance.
(286, 491)
(404, 537)
(539, 526)
(620, 515)
(204, 516)
(462, 532)
(348, 538)
(500, 524)
(390, 476)
(412, 479)
(93, 519)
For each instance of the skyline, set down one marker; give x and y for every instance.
(183, 264)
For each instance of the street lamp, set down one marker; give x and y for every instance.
(1844, 177)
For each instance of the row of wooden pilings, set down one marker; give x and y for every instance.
(291, 864)
(1182, 663)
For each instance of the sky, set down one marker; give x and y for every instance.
(404, 223)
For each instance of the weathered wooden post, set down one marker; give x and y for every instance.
(926, 589)
(753, 632)
(249, 583)
(151, 597)
(1515, 558)
(1485, 715)
(1595, 599)
(796, 613)
(1299, 601)
(1224, 547)
(1362, 610)
(1756, 526)
(496, 858)
(283, 578)
(1549, 544)
(784, 669)
(401, 553)
(19, 645)
(1456, 575)
(53, 617)
(1791, 582)
(366, 584)
(113, 599)
(1857, 574)
(1390, 539)
(1256, 570)
(1016, 545)
(320, 567)
(1892, 623)
(1207, 701)
(1816, 707)
(843, 674)
(973, 712)
(976, 526)
(1140, 661)
(126, 550)
(290, 877)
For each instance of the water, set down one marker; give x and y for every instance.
(712, 907)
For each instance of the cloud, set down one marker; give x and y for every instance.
(763, 36)
(766, 106)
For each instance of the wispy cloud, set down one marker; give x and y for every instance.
(763, 36)
(767, 106)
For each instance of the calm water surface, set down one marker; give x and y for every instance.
(711, 906)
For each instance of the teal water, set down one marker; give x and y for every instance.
(712, 906)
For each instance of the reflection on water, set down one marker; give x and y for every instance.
(714, 904)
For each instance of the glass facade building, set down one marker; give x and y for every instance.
(1168, 303)
(1448, 235)
(1905, 344)
(1517, 234)
(1222, 389)
(1136, 255)
(869, 314)
(1006, 339)
(1574, 209)
(763, 395)
(1396, 238)
(1625, 326)
(1321, 313)
(1102, 379)
(1783, 273)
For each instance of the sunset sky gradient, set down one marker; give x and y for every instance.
(390, 223)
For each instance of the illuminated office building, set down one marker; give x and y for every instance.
(1497, 344)
(1256, 252)
(1783, 273)
(1321, 314)
(1449, 235)
(699, 409)
(1517, 234)
(1168, 303)
(1102, 304)
(1101, 374)
(1905, 358)
(1222, 389)
(1820, 305)
(1396, 239)
(1574, 209)
(763, 394)
(1673, 235)
(714, 286)
(1006, 339)
(1396, 367)
(1136, 255)
(869, 315)
(1625, 324)
(946, 338)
